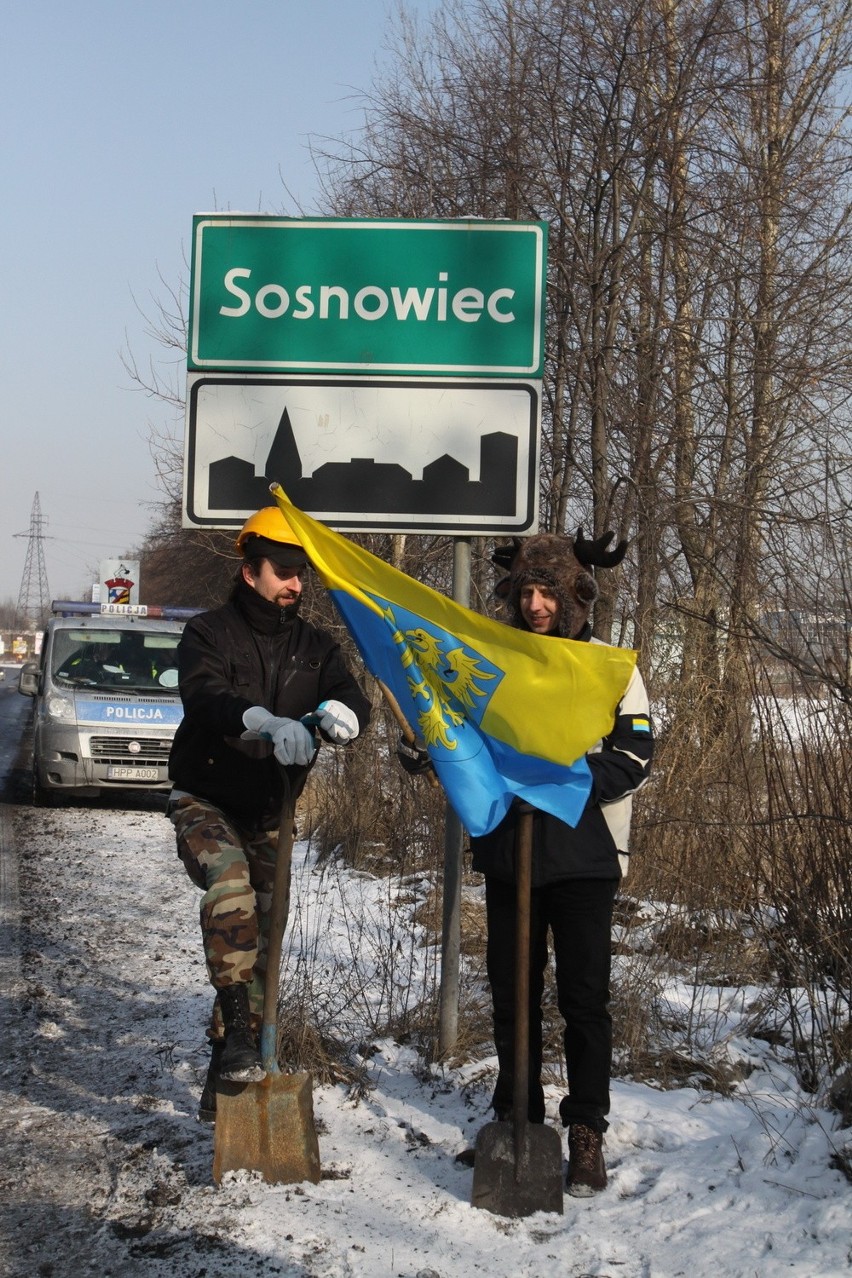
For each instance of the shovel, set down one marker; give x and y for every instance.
(517, 1166)
(268, 1127)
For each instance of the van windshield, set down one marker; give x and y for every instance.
(129, 661)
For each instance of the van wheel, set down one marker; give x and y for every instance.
(42, 798)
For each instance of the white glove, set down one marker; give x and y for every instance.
(291, 740)
(337, 721)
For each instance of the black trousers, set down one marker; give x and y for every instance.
(578, 915)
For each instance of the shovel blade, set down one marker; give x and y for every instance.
(514, 1187)
(267, 1127)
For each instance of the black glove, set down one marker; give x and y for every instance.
(413, 756)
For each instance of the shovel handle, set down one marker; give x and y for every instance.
(405, 727)
(523, 897)
(279, 910)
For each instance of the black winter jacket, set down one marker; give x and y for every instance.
(248, 653)
(597, 848)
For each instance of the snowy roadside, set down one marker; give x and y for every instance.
(106, 1170)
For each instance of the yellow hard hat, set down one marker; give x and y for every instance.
(266, 530)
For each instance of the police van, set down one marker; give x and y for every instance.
(106, 698)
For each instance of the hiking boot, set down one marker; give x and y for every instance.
(586, 1169)
(207, 1104)
(240, 1061)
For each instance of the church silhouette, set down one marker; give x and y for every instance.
(364, 484)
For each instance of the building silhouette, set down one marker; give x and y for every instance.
(364, 484)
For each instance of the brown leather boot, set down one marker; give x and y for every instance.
(586, 1169)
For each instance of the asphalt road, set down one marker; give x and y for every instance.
(16, 789)
(15, 748)
(15, 743)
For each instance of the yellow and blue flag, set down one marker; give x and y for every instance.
(503, 712)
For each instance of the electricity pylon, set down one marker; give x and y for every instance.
(34, 595)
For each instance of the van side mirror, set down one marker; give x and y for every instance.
(28, 679)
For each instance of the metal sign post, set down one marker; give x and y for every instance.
(453, 860)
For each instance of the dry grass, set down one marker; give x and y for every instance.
(741, 844)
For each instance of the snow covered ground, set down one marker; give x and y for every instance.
(106, 1170)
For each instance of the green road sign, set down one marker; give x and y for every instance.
(430, 298)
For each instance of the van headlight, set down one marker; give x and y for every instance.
(60, 708)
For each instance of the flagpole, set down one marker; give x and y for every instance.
(453, 848)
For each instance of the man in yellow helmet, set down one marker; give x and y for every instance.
(250, 672)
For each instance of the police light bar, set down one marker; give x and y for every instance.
(72, 608)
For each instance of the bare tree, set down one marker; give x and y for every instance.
(693, 163)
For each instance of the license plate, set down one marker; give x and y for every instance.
(133, 774)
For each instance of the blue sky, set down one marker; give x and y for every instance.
(122, 118)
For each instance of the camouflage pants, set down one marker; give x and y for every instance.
(235, 868)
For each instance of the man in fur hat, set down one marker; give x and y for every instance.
(550, 590)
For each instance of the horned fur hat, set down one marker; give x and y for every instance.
(562, 565)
